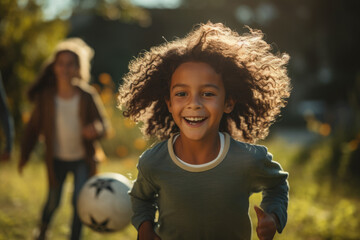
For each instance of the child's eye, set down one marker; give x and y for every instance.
(180, 94)
(208, 94)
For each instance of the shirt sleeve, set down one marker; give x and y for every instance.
(143, 198)
(98, 113)
(269, 177)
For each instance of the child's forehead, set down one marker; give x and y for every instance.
(195, 73)
(194, 67)
(65, 56)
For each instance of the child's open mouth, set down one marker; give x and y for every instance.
(195, 120)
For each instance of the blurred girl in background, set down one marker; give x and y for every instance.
(70, 116)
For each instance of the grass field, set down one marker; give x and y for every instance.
(315, 210)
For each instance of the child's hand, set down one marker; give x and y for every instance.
(92, 130)
(89, 132)
(266, 227)
(146, 232)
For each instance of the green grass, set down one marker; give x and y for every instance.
(316, 210)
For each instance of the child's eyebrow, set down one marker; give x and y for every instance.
(179, 85)
(211, 86)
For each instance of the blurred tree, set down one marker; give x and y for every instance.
(210, 3)
(25, 41)
(121, 10)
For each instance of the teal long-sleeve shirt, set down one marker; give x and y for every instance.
(211, 202)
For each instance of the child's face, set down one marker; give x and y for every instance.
(66, 66)
(197, 100)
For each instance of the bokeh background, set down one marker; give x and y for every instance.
(317, 138)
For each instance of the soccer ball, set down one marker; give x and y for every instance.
(104, 204)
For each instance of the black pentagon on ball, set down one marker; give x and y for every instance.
(102, 184)
(99, 226)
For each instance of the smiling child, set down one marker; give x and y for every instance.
(209, 97)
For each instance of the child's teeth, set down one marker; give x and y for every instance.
(194, 119)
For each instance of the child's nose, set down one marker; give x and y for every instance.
(195, 103)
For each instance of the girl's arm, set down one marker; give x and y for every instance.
(143, 199)
(275, 201)
(268, 177)
(99, 125)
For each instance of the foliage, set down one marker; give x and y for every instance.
(122, 10)
(126, 139)
(318, 208)
(25, 41)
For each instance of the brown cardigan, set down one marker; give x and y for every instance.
(42, 122)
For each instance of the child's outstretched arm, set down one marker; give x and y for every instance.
(275, 201)
(269, 178)
(143, 199)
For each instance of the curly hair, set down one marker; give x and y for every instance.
(254, 78)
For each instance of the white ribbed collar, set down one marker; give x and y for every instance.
(201, 167)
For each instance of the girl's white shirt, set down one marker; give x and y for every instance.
(68, 140)
(222, 144)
